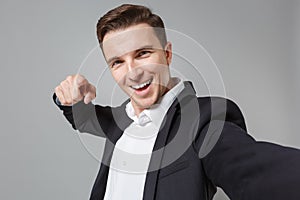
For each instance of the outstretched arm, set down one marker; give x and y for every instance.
(247, 169)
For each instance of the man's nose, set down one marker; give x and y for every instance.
(135, 72)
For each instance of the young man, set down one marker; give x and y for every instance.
(164, 142)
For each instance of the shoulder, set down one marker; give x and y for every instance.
(210, 108)
(220, 108)
(216, 115)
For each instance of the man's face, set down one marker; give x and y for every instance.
(138, 63)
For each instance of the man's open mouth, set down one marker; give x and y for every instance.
(142, 86)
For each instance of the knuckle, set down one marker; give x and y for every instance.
(80, 80)
(69, 78)
(56, 89)
(64, 84)
(80, 76)
(85, 82)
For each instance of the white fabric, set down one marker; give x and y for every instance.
(132, 153)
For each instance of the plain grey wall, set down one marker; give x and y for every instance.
(254, 43)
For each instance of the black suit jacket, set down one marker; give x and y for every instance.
(202, 144)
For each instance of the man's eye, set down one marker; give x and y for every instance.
(143, 53)
(115, 63)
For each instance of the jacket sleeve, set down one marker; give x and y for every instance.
(246, 169)
(85, 117)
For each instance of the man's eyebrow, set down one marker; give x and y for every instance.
(111, 59)
(139, 49)
(145, 47)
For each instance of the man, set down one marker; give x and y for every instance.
(164, 142)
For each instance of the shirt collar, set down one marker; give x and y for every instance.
(157, 111)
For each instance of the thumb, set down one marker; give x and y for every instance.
(87, 98)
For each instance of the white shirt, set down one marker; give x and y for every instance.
(132, 153)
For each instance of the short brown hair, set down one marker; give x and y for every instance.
(127, 15)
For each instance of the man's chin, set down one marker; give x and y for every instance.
(144, 104)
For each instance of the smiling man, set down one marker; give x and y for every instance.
(139, 63)
(164, 142)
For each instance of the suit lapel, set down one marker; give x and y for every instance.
(161, 141)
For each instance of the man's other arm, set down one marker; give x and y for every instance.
(73, 96)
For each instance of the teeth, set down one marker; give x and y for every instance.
(141, 85)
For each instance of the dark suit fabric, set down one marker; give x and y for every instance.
(206, 146)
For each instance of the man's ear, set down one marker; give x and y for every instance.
(168, 52)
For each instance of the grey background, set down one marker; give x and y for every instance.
(255, 45)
